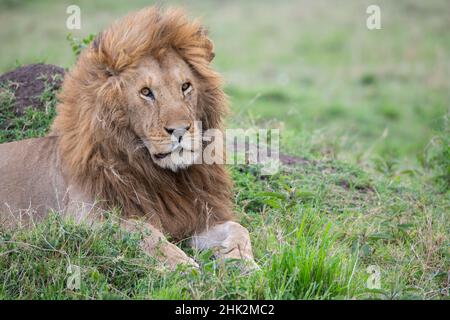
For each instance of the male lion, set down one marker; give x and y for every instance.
(126, 108)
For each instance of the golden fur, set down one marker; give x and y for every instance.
(100, 152)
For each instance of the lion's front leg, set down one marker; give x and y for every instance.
(228, 240)
(156, 245)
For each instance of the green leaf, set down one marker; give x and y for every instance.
(273, 203)
(272, 195)
(405, 226)
(381, 236)
(304, 195)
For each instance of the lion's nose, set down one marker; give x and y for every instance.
(177, 132)
(183, 129)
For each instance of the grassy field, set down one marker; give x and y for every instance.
(367, 111)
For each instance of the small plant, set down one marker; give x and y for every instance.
(79, 44)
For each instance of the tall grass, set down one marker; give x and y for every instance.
(309, 267)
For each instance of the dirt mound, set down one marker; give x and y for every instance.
(29, 82)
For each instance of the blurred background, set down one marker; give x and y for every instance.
(363, 113)
(312, 68)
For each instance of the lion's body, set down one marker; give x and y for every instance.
(109, 142)
(32, 182)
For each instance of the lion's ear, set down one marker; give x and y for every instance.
(97, 41)
(208, 45)
(210, 50)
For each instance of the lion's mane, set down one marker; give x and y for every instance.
(99, 152)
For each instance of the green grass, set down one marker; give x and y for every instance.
(34, 266)
(366, 110)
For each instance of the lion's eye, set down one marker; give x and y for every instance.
(147, 93)
(186, 88)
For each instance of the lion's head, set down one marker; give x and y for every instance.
(127, 114)
(153, 68)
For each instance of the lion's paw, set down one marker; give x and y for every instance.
(174, 256)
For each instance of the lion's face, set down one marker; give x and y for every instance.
(162, 101)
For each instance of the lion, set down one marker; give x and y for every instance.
(125, 109)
